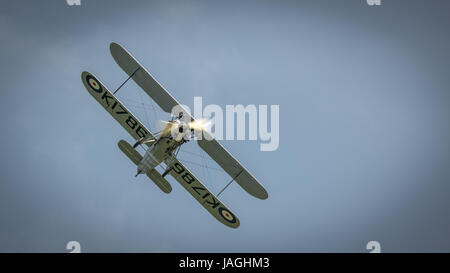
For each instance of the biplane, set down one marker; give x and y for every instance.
(162, 146)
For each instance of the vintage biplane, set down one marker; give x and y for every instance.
(162, 146)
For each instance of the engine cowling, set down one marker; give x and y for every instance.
(180, 131)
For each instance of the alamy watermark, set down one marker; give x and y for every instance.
(73, 2)
(78, 2)
(373, 2)
(374, 247)
(249, 122)
(73, 246)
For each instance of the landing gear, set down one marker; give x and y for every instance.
(138, 173)
(167, 171)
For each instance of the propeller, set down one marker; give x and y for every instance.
(200, 124)
(161, 125)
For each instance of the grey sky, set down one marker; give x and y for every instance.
(364, 124)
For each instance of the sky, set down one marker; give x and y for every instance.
(364, 124)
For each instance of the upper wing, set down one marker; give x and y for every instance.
(129, 64)
(196, 188)
(119, 112)
(216, 151)
(232, 166)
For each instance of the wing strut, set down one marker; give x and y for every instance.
(127, 80)
(229, 183)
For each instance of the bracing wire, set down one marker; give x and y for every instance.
(145, 109)
(201, 165)
(143, 106)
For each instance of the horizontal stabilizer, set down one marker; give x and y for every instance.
(153, 174)
(129, 151)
